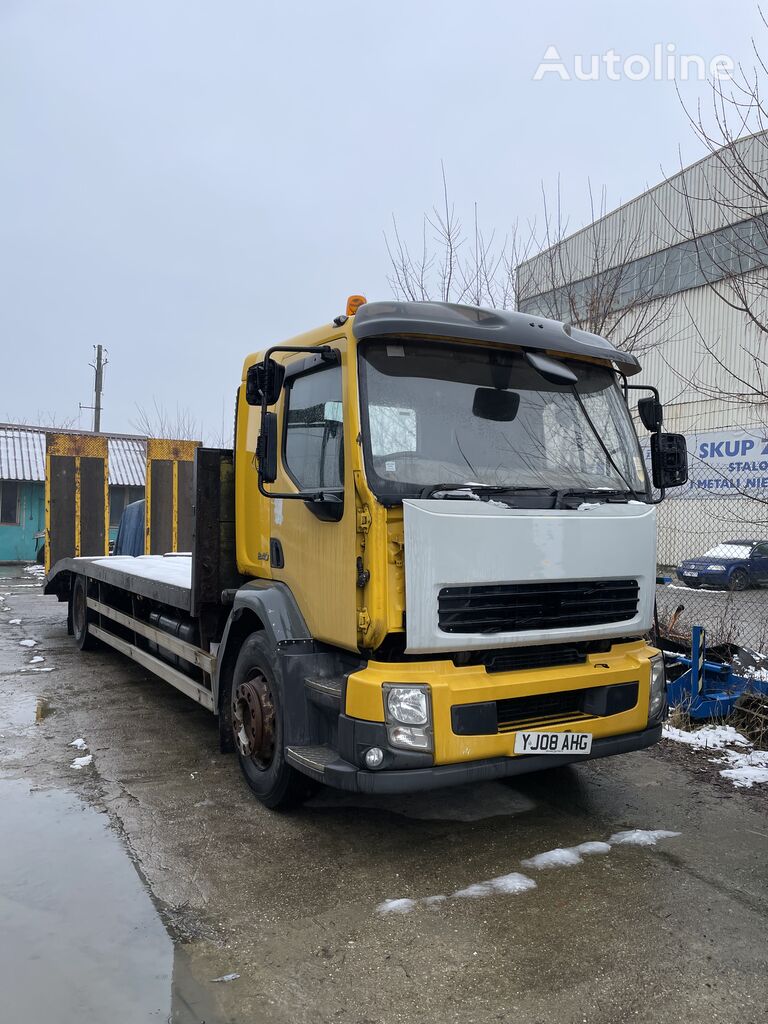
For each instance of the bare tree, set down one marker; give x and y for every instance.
(592, 279)
(725, 224)
(46, 420)
(481, 268)
(157, 421)
(450, 265)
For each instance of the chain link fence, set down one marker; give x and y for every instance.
(713, 555)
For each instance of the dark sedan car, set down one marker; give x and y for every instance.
(732, 565)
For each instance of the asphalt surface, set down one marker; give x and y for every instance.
(127, 886)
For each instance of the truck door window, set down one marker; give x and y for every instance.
(313, 447)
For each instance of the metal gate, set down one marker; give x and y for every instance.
(76, 496)
(169, 495)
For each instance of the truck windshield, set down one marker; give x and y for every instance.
(461, 415)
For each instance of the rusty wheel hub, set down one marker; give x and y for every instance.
(253, 721)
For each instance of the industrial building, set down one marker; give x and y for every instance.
(660, 276)
(22, 486)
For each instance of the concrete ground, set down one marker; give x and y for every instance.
(128, 885)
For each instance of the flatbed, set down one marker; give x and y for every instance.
(163, 578)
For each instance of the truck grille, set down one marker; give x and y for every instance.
(567, 706)
(514, 607)
(540, 710)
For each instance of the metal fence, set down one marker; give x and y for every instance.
(714, 582)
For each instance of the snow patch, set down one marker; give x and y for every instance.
(585, 506)
(745, 769)
(14, 622)
(586, 849)
(404, 906)
(79, 744)
(81, 762)
(641, 837)
(559, 858)
(513, 883)
(226, 977)
(173, 569)
(36, 659)
(709, 737)
(473, 892)
(27, 643)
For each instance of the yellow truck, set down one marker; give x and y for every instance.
(429, 559)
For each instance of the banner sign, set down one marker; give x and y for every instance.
(723, 463)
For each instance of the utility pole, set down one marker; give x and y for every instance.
(98, 387)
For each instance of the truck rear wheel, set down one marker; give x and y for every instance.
(257, 728)
(80, 616)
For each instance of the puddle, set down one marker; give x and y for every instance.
(88, 945)
(18, 710)
(464, 803)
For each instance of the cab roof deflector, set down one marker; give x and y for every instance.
(473, 323)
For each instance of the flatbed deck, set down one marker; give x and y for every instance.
(163, 578)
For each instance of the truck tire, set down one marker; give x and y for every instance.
(80, 616)
(257, 727)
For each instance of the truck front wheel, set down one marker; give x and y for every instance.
(257, 728)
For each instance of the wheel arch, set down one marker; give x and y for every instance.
(259, 606)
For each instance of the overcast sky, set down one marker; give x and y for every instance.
(185, 181)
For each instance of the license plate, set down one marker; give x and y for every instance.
(689, 572)
(553, 742)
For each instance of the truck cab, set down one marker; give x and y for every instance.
(449, 535)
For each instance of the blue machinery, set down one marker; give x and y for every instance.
(707, 689)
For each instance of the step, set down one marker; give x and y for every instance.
(326, 692)
(311, 760)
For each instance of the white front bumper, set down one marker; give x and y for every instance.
(459, 543)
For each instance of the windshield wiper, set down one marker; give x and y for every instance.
(480, 489)
(602, 443)
(606, 494)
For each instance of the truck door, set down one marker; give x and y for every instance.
(316, 543)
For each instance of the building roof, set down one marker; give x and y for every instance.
(22, 453)
(127, 461)
(22, 456)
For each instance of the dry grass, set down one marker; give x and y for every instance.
(679, 718)
(750, 717)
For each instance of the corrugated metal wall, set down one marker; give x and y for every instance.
(657, 219)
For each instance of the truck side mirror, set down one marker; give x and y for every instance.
(651, 413)
(266, 448)
(669, 459)
(264, 378)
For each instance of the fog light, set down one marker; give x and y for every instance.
(374, 757)
(658, 686)
(407, 736)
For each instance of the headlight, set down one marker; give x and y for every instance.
(409, 714)
(716, 568)
(658, 686)
(408, 705)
